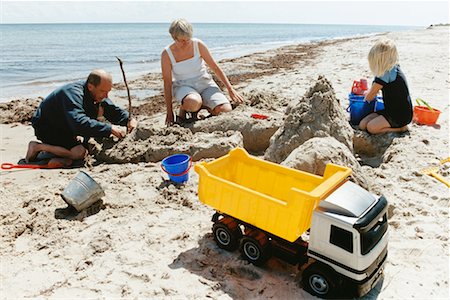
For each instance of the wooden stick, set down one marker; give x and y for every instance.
(126, 85)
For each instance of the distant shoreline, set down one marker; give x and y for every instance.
(216, 23)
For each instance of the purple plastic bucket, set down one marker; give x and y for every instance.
(177, 166)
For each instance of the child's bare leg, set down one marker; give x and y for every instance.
(400, 129)
(367, 119)
(379, 125)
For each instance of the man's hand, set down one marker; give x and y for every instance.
(117, 131)
(131, 125)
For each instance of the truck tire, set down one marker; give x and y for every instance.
(253, 252)
(225, 237)
(320, 281)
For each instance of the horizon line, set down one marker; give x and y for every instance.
(249, 23)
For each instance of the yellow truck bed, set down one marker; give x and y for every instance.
(272, 197)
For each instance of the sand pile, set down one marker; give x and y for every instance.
(265, 100)
(371, 148)
(313, 155)
(152, 143)
(256, 133)
(18, 111)
(317, 114)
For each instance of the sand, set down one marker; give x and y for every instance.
(152, 239)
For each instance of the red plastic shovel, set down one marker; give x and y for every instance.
(49, 165)
(9, 166)
(259, 116)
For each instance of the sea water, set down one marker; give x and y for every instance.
(37, 58)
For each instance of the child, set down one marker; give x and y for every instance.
(389, 78)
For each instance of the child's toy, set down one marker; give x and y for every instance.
(177, 166)
(358, 108)
(259, 116)
(82, 191)
(359, 87)
(328, 224)
(433, 171)
(425, 115)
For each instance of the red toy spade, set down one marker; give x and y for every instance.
(258, 116)
(54, 163)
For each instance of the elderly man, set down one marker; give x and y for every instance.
(75, 110)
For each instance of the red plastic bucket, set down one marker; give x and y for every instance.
(425, 116)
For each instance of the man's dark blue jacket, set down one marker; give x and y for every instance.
(71, 110)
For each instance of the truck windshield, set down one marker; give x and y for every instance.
(371, 237)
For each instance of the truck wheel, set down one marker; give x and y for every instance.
(320, 281)
(225, 237)
(252, 251)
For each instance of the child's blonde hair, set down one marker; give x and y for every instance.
(181, 28)
(382, 57)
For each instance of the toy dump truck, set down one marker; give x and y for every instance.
(336, 231)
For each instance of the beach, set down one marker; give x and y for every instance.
(153, 239)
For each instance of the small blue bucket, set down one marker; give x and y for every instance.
(359, 108)
(177, 166)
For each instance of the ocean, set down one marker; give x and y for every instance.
(37, 58)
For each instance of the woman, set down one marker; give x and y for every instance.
(186, 78)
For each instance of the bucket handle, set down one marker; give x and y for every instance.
(182, 173)
(419, 100)
(348, 107)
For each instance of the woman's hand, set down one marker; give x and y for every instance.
(235, 97)
(169, 119)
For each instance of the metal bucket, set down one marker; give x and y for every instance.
(82, 191)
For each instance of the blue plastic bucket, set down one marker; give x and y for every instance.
(359, 108)
(177, 166)
(379, 104)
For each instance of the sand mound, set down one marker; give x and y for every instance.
(313, 155)
(18, 110)
(265, 100)
(150, 143)
(256, 133)
(317, 114)
(371, 148)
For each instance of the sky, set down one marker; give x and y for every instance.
(382, 12)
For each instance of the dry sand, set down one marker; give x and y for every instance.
(153, 239)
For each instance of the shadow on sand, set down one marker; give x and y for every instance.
(230, 273)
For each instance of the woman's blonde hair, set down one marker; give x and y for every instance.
(382, 57)
(181, 28)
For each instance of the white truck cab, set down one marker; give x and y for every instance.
(348, 241)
